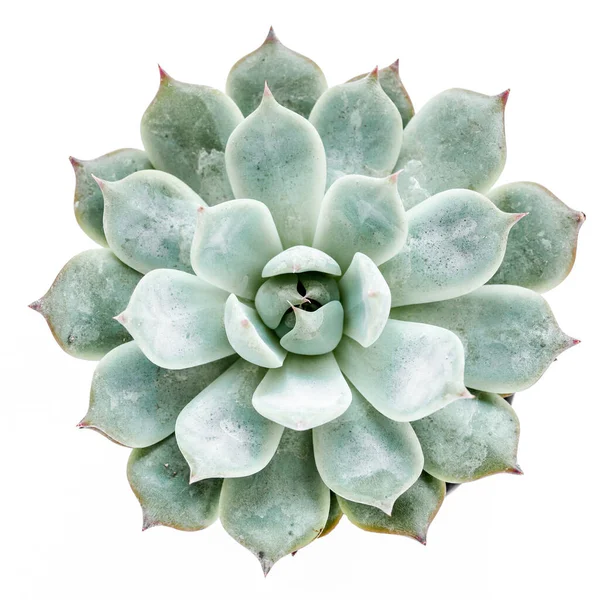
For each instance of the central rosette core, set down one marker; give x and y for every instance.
(304, 311)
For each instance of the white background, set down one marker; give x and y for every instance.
(76, 79)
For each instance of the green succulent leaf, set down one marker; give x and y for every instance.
(471, 438)
(411, 371)
(335, 515)
(361, 214)
(320, 287)
(219, 432)
(275, 296)
(250, 337)
(80, 305)
(135, 403)
(232, 243)
(149, 220)
(280, 509)
(365, 457)
(300, 259)
(185, 130)
(541, 249)
(455, 244)
(389, 78)
(412, 514)
(89, 203)
(177, 319)
(360, 128)
(277, 157)
(159, 477)
(305, 393)
(458, 139)
(317, 332)
(296, 81)
(367, 300)
(509, 334)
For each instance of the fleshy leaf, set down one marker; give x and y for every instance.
(320, 287)
(367, 300)
(317, 332)
(471, 438)
(275, 296)
(300, 259)
(135, 403)
(159, 477)
(458, 139)
(455, 244)
(335, 516)
(80, 305)
(177, 319)
(250, 337)
(411, 371)
(306, 392)
(232, 243)
(149, 220)
(509, 334)
(365, 457)
(389, 78)
(185, 130)
(277, 157)
(296, 81)
(412, 514)
(219, 432)
(361, 214)
(360, 128)
(280, 509)
(541, 249)
(89, 203)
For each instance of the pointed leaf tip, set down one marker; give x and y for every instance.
(393, 178)
(581, 217)
(75, 162)
(575, 342)
(271, 36)
(374, 74)
(516, 470)
(36, 305)
(516, 217)
(164, 76)
(101, 182)
(267, 92)
(395, 66)
(504, 96)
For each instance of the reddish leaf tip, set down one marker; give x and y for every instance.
(374, 74)
(101, 183)
(164, 76)
(395, 66)
(121, 318)
(421, 539)
(271, 36)
(393, 178)
(36, 305)
(267, 92)
(581, 217)
(503, 97)
(516, 470)
(75, 162)
(83, 424)
(575, 342)
(516, 217)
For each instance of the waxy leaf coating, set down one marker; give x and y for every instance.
(277, 157)
(509, 334)
(541, 249)
(365, 457)
(89, 203)
(80, 306)
(149, 220)
(301, 259)
(275, 296)
(159, 477)
(185, 130)
(280, 509)
(295, 81)
(470, 439)
(219, 432)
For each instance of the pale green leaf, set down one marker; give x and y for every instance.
(275, 296)
(300, 259)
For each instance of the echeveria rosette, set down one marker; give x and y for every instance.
(317, 309)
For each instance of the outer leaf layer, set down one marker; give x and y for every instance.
(89, 203)
(509, 334)
(177, 319)
(361, 214)
(458, 137)
(277, 157)
(219, 432)
(411, 371)
(365, 457)
(159, 477)
(412, 514)
(456, 243)
(541, 250)
(89, 291)
(360, 128)
(185, 130)
(136, 403)
(149, 220)
(280, 509)
(296, 81)
(471, 438)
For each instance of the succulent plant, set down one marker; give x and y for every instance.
(318, 302)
